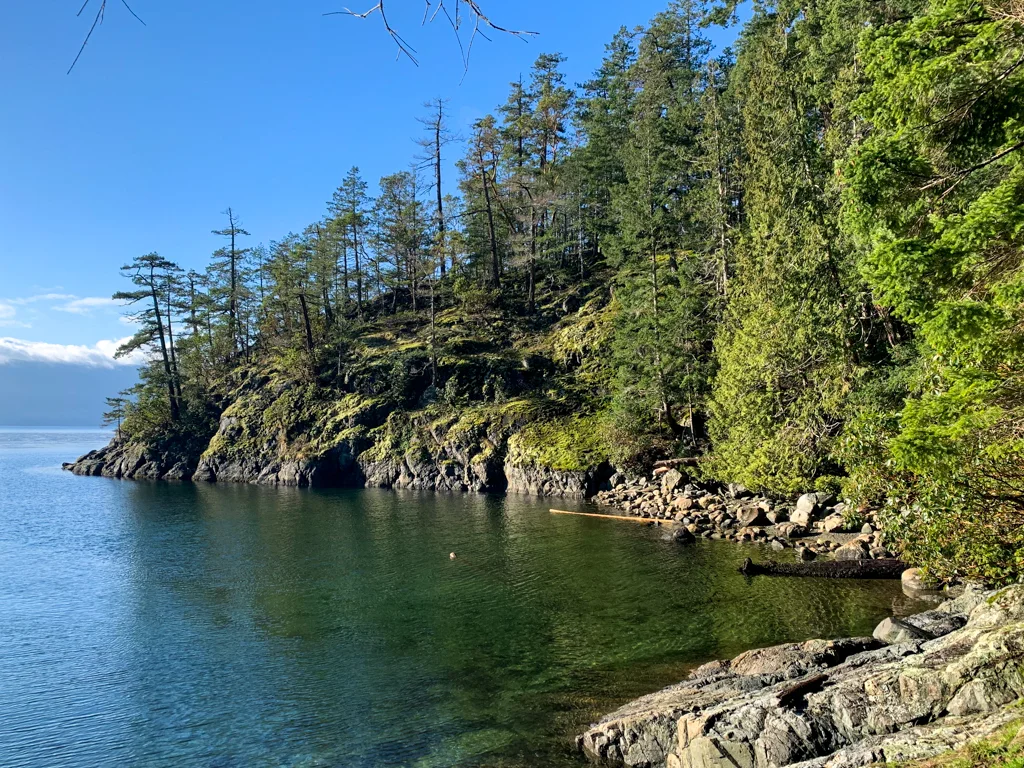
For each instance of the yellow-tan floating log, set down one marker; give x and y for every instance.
(610, 517)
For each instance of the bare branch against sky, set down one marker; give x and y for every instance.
(466, 14)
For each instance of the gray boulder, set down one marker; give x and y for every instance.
(914, 581)
(923, 626)
(683, 536)
(806, 509)
(854, 550)
(671, 480)
(752, 516)
(790, 529)
(806, 554)
(834, 523)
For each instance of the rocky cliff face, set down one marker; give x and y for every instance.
(922, 686)
(544, 481)
(498, 418)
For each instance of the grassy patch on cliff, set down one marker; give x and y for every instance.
(567, 444)
(1004, 749)
(290, 419)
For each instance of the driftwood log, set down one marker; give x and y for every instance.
(691, 461)
(828, 569)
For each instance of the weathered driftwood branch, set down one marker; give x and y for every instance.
(627, 518)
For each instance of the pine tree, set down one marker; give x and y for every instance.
(227, 262)
(117, 409)
(604, 112)
(666, 313)
(349, 210)
(438, 137)
(479, 185)
(785, 349)
(154, 277)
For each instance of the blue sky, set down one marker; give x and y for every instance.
(258, 105)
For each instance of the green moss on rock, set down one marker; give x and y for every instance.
(567, 444)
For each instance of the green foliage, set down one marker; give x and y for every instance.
(784, 349)
(473, 297)
(662, 358)
(583, 343)
(935, 200)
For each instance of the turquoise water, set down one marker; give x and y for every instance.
(154, 624)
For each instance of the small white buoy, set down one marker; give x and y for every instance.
(451, 556)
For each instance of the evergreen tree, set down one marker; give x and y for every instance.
(438, 137)
(227, 265)
(479, 183)
(667, 313)
(786, 362)
(155, 278)
(349, 210)
(117, 409)
(935, 202)
(604, 112)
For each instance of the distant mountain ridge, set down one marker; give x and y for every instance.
(52, 395)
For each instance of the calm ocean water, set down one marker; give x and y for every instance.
(156, 624)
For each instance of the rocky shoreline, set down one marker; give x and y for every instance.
(458, 471)
(812, 526)
(920, 686)
(815, 524)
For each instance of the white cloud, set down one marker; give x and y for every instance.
(7, 315)
(41, 297)
(59, 302)
(86, 305)
(99, 355)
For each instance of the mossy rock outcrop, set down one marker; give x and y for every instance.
(478, 404)
(294, 434)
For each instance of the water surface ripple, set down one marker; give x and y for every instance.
(188, 626)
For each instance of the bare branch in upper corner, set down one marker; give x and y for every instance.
(403, 46)
(97, 20)
(462, 15)
(466, 13)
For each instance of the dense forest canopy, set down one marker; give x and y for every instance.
(799, 258)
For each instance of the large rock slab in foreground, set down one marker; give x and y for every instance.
(835, 704)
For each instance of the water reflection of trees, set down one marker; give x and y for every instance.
(332, 623)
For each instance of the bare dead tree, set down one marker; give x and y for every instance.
(432, 145)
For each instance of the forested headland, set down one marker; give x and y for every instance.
(798, 258)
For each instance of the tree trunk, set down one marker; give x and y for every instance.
(173, 401)
(305, 323)
(437, 184)
(495, 261)
(232, 308)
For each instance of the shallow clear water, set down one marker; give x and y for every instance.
(155, 624)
